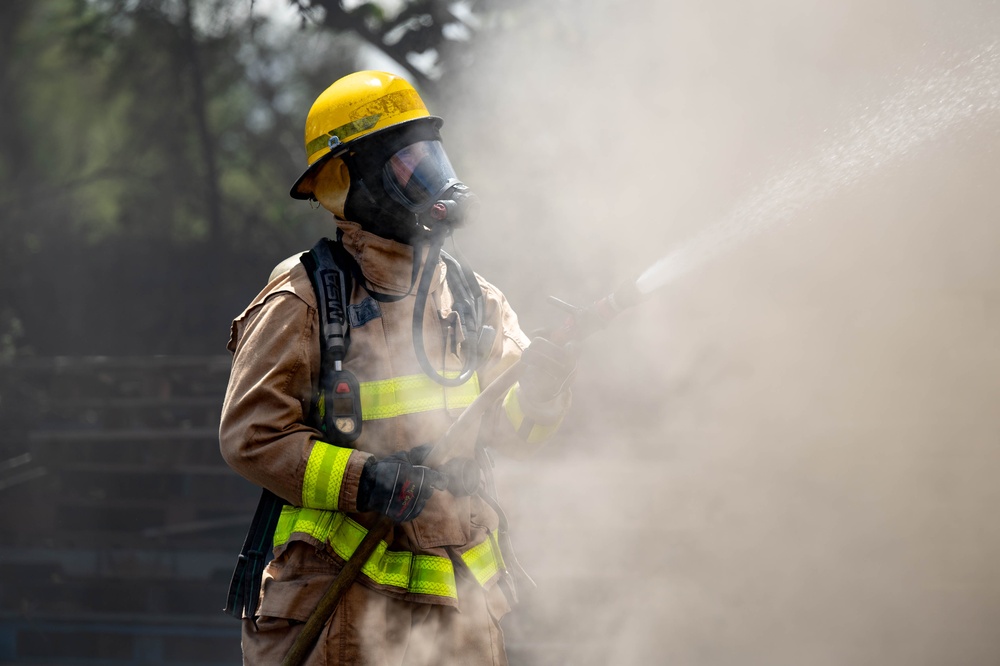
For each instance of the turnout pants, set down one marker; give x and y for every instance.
(370, 628)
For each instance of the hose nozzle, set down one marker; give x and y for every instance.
(582, 322)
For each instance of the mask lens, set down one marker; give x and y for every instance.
(419, 172)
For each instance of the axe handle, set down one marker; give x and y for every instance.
(328, 604)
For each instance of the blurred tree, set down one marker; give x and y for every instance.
(146, 148)
(16, 171)
(431, 39)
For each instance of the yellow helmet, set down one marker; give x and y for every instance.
(355, 106)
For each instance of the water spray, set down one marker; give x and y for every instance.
(925, 109)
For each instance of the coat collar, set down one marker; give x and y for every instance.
(386, 264)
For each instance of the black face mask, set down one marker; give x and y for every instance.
(369, 205)
(396, 178)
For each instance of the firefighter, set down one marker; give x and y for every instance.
(437, 587)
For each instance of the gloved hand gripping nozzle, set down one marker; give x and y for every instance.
(582, 322)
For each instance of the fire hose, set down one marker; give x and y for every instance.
(581, 323)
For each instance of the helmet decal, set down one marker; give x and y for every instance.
(394, 103)
(338, 135)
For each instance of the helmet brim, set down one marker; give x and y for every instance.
(303, 187)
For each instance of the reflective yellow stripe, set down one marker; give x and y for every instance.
(526, 428)
(324, 475)
(411, 394)
(484, 560)
(343, 133)
(417, 574)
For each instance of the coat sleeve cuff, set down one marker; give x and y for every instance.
(535, 421)
(331, 476)
(349, 486)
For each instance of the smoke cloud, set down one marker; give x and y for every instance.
(788, 455)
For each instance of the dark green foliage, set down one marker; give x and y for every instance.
(146, 151)
(145, 158)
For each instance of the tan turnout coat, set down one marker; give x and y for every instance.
(265, 436)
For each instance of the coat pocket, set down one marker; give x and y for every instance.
(294, 583)
(443, 522)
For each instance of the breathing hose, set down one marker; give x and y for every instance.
(419, 307)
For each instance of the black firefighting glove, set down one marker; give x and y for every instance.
(398, 486)
(549, 370)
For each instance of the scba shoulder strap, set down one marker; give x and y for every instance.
(337, 408)
(336, 412)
